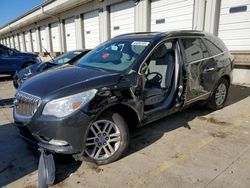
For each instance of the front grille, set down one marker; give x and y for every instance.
(26, 104)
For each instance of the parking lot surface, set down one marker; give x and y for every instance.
(193, 148)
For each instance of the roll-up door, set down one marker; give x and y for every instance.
(8, 42)
(43, 39)
(34, 40)
(27, 41)
(70, 34)
(16, 42)
(234, 26)
(122, 18)
(12, 45)
(21, 43)
(91, 29)
(55, 37)
(171, 15)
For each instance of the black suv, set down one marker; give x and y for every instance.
(87, 110)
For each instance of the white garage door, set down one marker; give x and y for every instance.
(234, 27)
(91, 29)
(55, 37)
(16, 42)
(34, 40)
(12, 45)
(8, 42)
(43, 38)
(171, 15)
(122, 18)
(27, 42)
(70, 34)
(21, 43)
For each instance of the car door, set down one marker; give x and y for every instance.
(196, 63)
(8, 60)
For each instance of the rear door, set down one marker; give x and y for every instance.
(196, 60)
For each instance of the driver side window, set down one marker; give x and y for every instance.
(161, 66)
(3, 51)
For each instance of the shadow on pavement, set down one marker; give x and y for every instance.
(18, 161)
(6, 103)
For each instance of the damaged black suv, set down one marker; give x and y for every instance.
(87, 110)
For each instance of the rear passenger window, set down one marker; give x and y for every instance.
(212, 48)
(194, 49)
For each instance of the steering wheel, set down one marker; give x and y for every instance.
(157, 76)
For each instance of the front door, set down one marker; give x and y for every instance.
(159, 73)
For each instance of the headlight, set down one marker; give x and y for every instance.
(67, 105)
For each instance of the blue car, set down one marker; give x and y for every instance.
(67, 58)
(11, 60)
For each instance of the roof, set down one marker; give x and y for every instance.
(175, 33)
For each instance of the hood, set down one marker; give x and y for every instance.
(25, 54)
(64, 81)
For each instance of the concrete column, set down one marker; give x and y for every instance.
(104, 21)
(79, 32)
(62, 36)
(48, 38)
(142, 16)
(212, 16)
(199, 14)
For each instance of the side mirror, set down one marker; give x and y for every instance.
(10, 52)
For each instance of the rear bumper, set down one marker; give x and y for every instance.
(42, 130)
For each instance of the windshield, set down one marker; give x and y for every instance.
(114, 55)
(65, 58)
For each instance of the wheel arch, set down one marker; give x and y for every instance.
(24, 64)
(127, 112)
(227, 78)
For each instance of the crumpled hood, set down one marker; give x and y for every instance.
(64, 81)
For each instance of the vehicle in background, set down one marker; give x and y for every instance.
(134, 79)
(11, 60)
(27, 72)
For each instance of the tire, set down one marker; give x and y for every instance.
(15, 81)
(221, 90)
(109, 124)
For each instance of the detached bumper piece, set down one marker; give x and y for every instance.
(46, 169)
(56, 149)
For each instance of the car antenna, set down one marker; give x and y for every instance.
(48, 53)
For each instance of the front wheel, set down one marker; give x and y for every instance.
(107, 139)
(219, 95)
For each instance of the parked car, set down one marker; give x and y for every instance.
(11, 60)
(27, 72)
(131, 80)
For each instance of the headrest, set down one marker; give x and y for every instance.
(160, 52)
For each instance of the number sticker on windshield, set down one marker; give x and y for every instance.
(140, 43)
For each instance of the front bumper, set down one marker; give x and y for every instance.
(71, 129)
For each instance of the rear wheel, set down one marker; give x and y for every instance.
(219, 95)
(107, 139)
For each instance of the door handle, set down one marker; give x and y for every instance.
(209, 69)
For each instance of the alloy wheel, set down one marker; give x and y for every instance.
(103, 140)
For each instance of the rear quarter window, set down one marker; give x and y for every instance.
(194, 49)
(212, 48)
(217, 42)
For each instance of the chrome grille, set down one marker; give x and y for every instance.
(26, 104)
